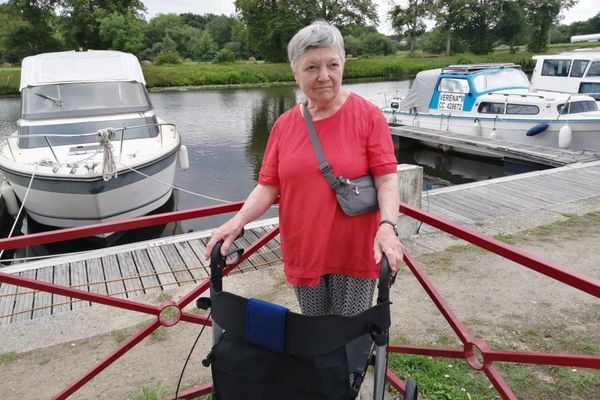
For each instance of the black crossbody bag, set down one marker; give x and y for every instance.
(355, 196)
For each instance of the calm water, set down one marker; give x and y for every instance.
(226, 130)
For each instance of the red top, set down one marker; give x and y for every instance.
(317, 238)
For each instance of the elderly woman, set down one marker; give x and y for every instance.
(330, 258)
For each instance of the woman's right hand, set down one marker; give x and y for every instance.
(227, 232)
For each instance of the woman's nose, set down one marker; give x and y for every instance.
(323, 73)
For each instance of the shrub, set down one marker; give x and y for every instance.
(224, 56)
(167, 57)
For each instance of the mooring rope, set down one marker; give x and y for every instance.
(173, 186)
(12, 230)
(109, 166)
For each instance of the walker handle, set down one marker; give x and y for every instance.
(218, 263)
(385, 281)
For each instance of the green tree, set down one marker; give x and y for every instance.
(272, 23)
(377, 44)
(122, 32)
(479, 31)
(220, 28)
(31, 29)
(512, 23)
(541, 15)
(451, 16)
(82, 18)
(353, 45)
(224, 56)
(409, 21)
(207, 48)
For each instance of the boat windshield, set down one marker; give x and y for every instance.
(83, 99)
(33, 136)
(496, 79)
(576, 107)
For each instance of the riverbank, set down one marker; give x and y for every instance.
(200, 74)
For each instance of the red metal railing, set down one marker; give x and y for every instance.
(475, 350)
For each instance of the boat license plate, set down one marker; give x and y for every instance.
(451, 101)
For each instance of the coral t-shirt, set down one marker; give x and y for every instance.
(317, 238)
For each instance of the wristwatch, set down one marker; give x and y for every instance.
(387, 221)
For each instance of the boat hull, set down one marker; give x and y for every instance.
(585, 132)
(79, 201)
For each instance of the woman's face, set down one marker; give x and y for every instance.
(319, 73)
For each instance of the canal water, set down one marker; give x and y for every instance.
(226, 130)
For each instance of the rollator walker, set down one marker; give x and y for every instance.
(264, 351)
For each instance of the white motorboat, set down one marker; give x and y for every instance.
(576, 71)
(495, 100)
(89, 147)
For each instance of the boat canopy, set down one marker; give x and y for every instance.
(86, 66)
(421, 90)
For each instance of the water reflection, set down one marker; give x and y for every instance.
(264, 114)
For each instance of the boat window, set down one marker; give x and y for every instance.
(491, 108)
(453, 85)
(500, 79)
(83, 99)
(591, 89)
(523, 109)
(27, 140)
(576, 107)
(579, 68)
(594, 69)
(556, 67)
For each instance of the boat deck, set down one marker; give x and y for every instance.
(129, 270)
(519, 151)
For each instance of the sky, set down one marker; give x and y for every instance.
(584, 9)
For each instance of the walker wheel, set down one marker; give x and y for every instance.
(410, 391)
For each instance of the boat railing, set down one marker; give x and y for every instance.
(123, 130)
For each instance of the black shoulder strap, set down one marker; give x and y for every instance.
(324, 167)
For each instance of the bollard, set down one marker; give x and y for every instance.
(410, 181)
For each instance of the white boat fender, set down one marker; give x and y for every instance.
(416, 122)
(538, 128)
(564, 137)
(493, 133)
(184, 161)
(476, 128)
(10, 199)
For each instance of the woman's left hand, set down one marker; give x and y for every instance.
(386, 242)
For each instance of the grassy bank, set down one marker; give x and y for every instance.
(243, 73)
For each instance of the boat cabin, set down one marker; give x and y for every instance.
(575, 71)
(70, 92)
(457, 88)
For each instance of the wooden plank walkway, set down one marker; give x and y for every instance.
(149, 267)
(477, 202)
(125, 271)
(503, 148)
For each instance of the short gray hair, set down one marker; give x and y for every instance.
(317, 34)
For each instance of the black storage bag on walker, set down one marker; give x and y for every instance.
(267, 352)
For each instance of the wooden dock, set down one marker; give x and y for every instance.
(496, 147)
(130, 270)
(125, 271)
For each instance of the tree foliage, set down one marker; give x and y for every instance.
(82, 19)
(451, 17)
(409, 21)
(285, 17)
(541, 15)
(512, 23)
